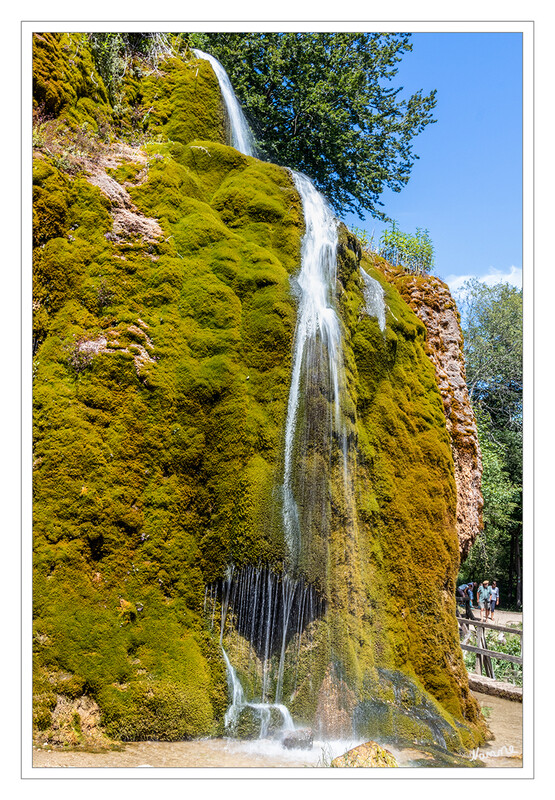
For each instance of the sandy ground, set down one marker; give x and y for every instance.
(507, 617)
(500, 617)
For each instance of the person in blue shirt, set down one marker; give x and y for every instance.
(484, 597)
(470, 588)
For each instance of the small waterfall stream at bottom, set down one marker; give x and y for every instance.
(264, 615)
(239, 702)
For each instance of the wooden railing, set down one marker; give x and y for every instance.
(483, 654)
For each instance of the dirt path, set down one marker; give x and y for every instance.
(507, 617)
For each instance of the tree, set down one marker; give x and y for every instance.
(492, 317)
(490, 556)
(323, 104)
(492, 328)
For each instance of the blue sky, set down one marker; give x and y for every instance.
(466, 187)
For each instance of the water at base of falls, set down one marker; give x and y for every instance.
(262, 710)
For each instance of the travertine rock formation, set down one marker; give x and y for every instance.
(431, 300)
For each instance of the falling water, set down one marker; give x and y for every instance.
(375, 298)
(317, 349)
(269, 610)
(285, 608)
(241, 135)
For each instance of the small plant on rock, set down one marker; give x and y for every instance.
(413, 252)
(79, 359)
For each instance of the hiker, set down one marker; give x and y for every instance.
(463, 593)
(484, 596)
(471, 589)
(494, 600)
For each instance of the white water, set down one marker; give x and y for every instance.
(375, 298)
(241, 135)
(318, 339)
(239, 702)
(317, 320)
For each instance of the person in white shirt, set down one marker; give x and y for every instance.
(494, 599)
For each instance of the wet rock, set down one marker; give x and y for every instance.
(336, 704)
(300, 739)
(246, 725)
(368, 754)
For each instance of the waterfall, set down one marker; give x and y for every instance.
(374, 297)
(239, 593)
(241, 135)
(270, 610)
(317, 349)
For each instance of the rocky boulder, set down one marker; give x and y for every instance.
(368, 754)
(300, 739)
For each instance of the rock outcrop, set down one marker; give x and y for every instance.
(366, 755)
(431, 300)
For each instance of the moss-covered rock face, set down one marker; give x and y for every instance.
(157, 414)
(163, 328)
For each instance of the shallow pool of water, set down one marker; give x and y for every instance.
(505, 750)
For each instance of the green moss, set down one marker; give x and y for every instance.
(64, 73)
(189, 86)
(161, 381)
(154, 480)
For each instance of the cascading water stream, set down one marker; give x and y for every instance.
(241, 135)
(239, 702)
(318, 336)
(286, 604)
(375, 298)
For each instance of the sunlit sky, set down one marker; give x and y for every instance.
(466, 187)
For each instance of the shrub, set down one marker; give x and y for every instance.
(413, 252)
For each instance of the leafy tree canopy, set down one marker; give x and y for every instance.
(492, 326)
(489, 556)
(323, 104)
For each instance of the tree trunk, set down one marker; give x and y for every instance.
(518, 561)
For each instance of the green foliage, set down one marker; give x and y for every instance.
(489, 556)
(492, 328)
(366, 239)
(413, 252)
(322, 103)
(113, 54)
(503, 670)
